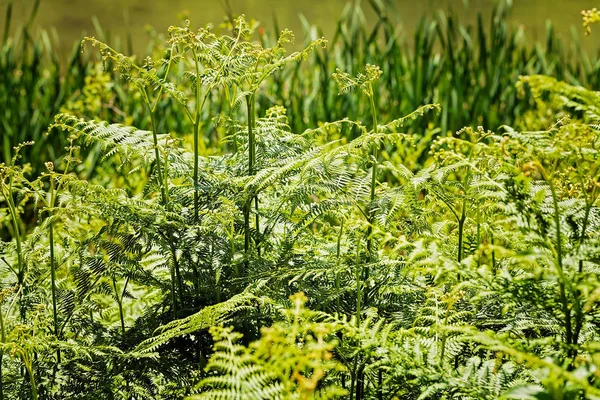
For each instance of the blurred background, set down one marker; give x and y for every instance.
(70, 18)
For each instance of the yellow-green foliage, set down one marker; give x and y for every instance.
(459, 266)
(590, 17)
(291, 360)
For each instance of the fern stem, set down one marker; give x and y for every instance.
(478, 231)
(380, 384)
(358, 377)
(257, 223)
(12, 209)
(196, 132)
(353, 376)
(230, 112)
(358, 284)
(463, 215)
(171, 241)
(53, 268)
(251, 161)
(165, 183)
(3, 340)
(493, 254)
(246, 211)
(360, 382)
(586, 219)
(251, 134)
(444, 335)
(374, 166)
(579, 315)
(165, 199)
(159, 171)
(559, 259)
(337, 273)
(53, 282)
(236, 268)
(173, 291)
(461, 227)
(196, 283)
(29, 368)
(120, 303)
(177, 269)
(160, 90)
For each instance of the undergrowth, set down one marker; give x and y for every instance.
(268, 262)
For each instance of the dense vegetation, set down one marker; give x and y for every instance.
(469, 69)
(197, 239)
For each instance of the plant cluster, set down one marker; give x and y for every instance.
(283, 264)
(467, 68)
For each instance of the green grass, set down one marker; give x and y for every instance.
(471, 70)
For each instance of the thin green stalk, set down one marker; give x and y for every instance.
(172, 269)
(53, 269)
(3, 339)
(53, 282)
(586, 219)
(198, 111)
(257, 223)
(559, 260)
(360, 382)
(358, 285)
(463, 216)
(29, 368)
(353, 376)
(173, 292)
(121, 314)
(250, 106)
(493, 254)
(374, 154)
(32, 15)
(7, 20)
(217, 275)
(159, 171)
(230, 110)
(579, 315)
(17, 234)
(478, 224)
(196, 133)
(176, 269)
(172, 241)
(251, 161)
(371, 218)
(337, 274)
(53, 197)
(34, 393)
(338, 287)
(246, 211)
(120, 303)
(236, 268)
(461, 228)
(165, 175)
(164, 192)
(380, 384)
(445, 337)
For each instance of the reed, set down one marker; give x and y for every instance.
(470, 69)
